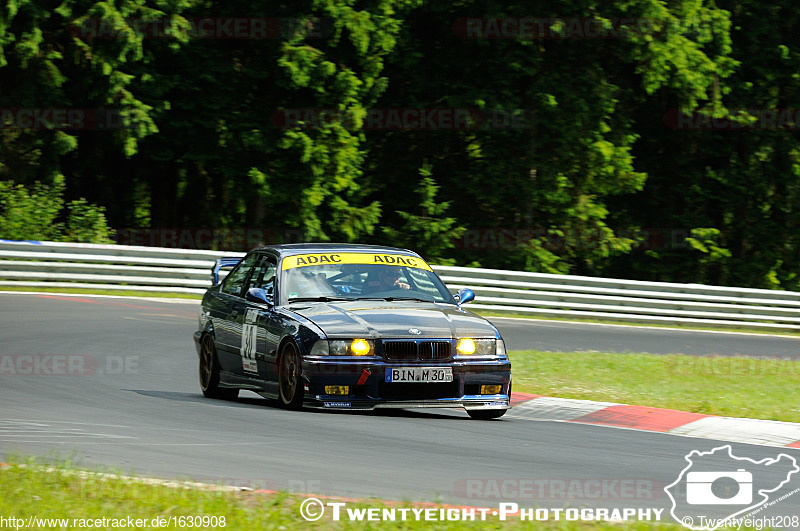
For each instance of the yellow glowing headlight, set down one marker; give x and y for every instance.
(479, 347)
(360, 347)
(465, 346)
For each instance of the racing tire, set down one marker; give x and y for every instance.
(290, 385)
(209, 372)
(486, 414)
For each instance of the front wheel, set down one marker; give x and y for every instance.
(209, 372)
(290, 384)
(486, 414)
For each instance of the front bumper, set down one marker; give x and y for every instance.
(368, 388)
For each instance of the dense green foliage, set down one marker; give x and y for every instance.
(34, 214)
(580, 154)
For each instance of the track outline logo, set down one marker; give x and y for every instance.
(739, 471)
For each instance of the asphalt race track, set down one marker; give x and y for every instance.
(127, 397)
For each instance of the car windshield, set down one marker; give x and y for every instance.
(353, 276)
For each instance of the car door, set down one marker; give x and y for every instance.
(228, 329)
(255, 341)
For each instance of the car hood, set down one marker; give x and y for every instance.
(377, 319)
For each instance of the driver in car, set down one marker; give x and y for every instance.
(387, 279)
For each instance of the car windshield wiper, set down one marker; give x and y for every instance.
(322, 298)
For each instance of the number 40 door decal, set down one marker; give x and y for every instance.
(249, 339)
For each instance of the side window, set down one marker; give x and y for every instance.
(235, 280)
(264, 274)
(422, 283)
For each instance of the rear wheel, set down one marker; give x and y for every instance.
(290, 383)
(209, 372)
(486, 414)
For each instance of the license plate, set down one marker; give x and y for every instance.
(419, 374)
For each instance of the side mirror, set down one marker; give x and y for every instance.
(257, 295)
(464, 296)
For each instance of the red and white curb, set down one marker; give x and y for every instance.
(643, 418)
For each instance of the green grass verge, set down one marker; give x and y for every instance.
(119, 292)
(30, 491)
(730, 386)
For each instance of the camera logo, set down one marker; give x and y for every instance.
(700, 488)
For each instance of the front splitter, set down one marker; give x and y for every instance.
(499, 402)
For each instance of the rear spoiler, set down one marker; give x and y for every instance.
(228, 262)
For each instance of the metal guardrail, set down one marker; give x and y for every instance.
(110, 267)
(151, 269)
(626, 300)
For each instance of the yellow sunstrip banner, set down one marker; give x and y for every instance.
(303, 260)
